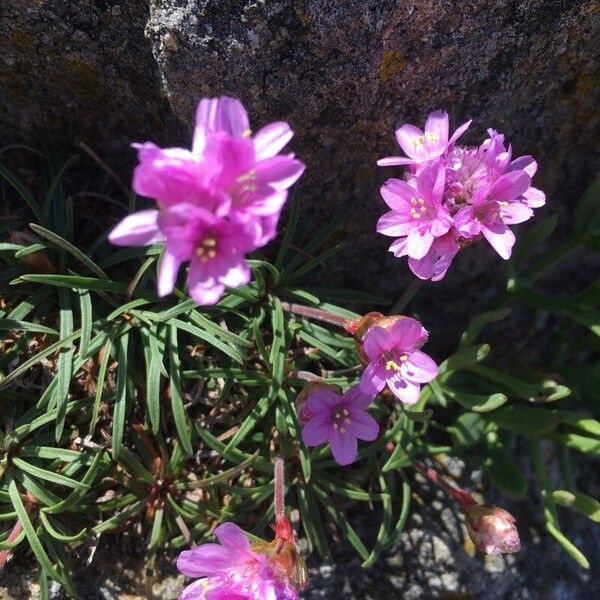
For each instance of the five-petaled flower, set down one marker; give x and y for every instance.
(340, 419)
(215, 202)
(396, 361)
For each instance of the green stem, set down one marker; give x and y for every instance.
(409, 293)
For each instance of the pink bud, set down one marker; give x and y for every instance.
(492, 529)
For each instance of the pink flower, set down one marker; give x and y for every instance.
(493, 209)
(423, 146)
(232, 570)
(417, 213)
(215, 202)
(340, 420)
(396, 361)
(453, 195)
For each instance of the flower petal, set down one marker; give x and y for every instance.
(203, 561)
(363, 425)
(317, 430)
(222, 114)
(235, 274)
(405, 391)
(321, 400)
(372, 380)
(395, 224)
(376, 341)
(437, 124)
(271, 139)
(458, 133)
(232, 537)
(418, 243)
(411, 140)
(534, 197)
(419, 368)
(279, 172)
(501, 238)
(137, 229)
(195, 591)
(408, 333)
(510, 185)
(344, 447)
(392, 161)
(356, 398)
(398, 248)
(515, 212)
(168, 268)
(397, 193)
(202, 287)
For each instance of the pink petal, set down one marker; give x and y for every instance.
(321, 401)
(222, 114)
(398, 248)
(534, 197)
(317, 430)
(409, 138)
(397, 193)
(372, 380)
(418, 244)
(203, 561)
(395, 224)
(408, 333)
(392, 161)
(406, 392)
(437, 123)
(137, 229)
(168, 268)
(515, 212)
(363, 425)
(344, 447)
(510, 185)
(524, 163)
(377, 340)
(271, 139)
(419, 368)
(194, 591)
(466, 222)
(458, 133)
(356, 398)
(232, 537)
(279, 172)
(235, 274)
(501, 238)
(202, 287)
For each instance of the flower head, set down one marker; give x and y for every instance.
(492, 529)
(454, 195)
(215, 202)
(339, 419)
(233, 570)
(396, 361)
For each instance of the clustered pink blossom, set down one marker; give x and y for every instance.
(215, 202)
(233, 570)
(454, 195)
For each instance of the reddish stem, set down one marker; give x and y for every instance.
(14, 534)
(461, 496)
(279, 488)
(316, 313)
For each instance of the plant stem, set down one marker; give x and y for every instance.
(316, 313)
(279, 488)
(461, 496)
(409, 293)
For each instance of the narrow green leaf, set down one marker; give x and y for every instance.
(477, 402)
(105, 357)
(177, 407)
(120, 397)
(585, 504)
(15, 182)
(85, 308)
(571, 549)
(525, 420)
(14, 325)
(65, 363)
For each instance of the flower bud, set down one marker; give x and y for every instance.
(492, 529)
(304, 416)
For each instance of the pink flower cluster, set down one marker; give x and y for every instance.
(215, 202)
(233, 570)
(454, 195)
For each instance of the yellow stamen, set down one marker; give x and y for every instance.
(209, 242)
(342, 430)
(390, 365)
(335, 426)
(247, 133)
(347, 420)
(432, 137)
